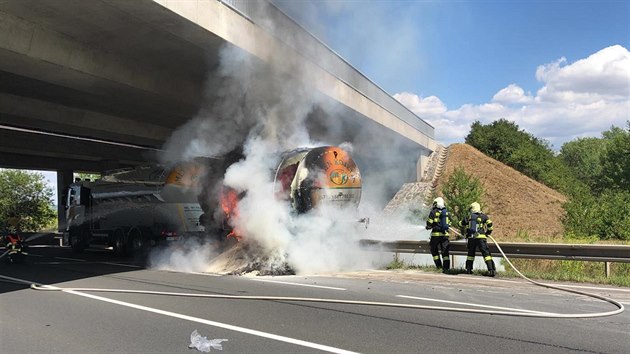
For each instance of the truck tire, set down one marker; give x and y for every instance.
(76, 240)
(120, 246)
(137, 241)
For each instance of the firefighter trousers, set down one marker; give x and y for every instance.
(437, 244)
(482, 245)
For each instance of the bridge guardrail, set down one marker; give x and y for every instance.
(553, 251)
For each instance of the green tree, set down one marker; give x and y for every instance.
(583, 157)
(616, 159)
(25, 195)
(499, 140)
(83, 176)
(459, 191)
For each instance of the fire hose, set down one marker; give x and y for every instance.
(556, 287)
(496, 311)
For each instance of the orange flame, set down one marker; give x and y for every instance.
(229, 204)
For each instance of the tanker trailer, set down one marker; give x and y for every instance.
(134, 208)
(306, 178)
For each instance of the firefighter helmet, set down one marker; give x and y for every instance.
(438, 202)
(475, 207)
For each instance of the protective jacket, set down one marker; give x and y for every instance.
(478, 225)
(438, 221)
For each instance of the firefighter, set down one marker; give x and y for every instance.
(438, 222)
(16, 250)
(478, 226)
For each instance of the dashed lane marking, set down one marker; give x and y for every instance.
(468, 304)
(299, 284)
(71, 259)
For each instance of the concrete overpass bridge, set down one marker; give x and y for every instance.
(91, 85)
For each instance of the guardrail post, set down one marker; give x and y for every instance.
(607, 269)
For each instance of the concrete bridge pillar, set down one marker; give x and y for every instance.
(64, 178)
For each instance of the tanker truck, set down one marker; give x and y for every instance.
(134, 208)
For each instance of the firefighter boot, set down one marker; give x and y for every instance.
(447, 266)
(437, 261)
(491, 269)
(469, 266)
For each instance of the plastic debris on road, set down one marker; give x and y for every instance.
(204, 344)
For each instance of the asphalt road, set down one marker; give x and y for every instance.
(33, 321)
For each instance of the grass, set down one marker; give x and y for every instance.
(561, 270)
(575, 271)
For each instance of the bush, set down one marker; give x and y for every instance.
(606, 216)
(459, 191)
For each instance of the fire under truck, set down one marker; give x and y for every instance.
(132, 209)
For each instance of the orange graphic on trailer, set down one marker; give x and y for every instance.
(185, 174)
(340, 169)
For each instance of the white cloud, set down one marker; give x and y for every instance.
(604, 74)
(578, 99)
(426, 107)
(512, 94)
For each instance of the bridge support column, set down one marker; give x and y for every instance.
(421, 165)
(64, 178)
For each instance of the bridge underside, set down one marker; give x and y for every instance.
(93, 85)
(120, 71)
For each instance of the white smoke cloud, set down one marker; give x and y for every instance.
(577, 99)
(190, 256)
(264, 107)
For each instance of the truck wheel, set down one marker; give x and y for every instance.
(137, 242)
(119, 243)
(76, 241)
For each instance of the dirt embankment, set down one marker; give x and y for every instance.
(514, 202)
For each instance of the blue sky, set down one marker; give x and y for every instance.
(543, 64)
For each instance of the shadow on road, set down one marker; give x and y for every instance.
(49, 263)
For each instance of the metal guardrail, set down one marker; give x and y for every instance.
(554, 251)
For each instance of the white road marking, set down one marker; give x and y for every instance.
(57, 263)
(71, 259)
(206, 274)
(593, 288)
(86, 262)
(523, 281)
(182, 272)
(469, 304)
(201, 320)
(121, 264)
(299, 284)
